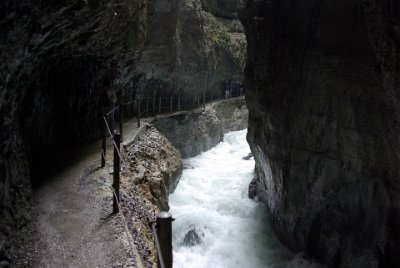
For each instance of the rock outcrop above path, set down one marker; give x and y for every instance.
(199, 130)
(322, 81)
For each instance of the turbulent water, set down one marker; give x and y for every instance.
(217, 225)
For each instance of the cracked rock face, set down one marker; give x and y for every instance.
(322, 81)
(191, 49)
(53, 57)
(198, 131)
(155, 165)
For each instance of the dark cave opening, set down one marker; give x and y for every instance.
(61, 112)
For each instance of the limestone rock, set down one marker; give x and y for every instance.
(223, 8)
(198, 131)
(191, 238)
(191, 132)
(233, 114)
(189, 50)
(253, 188)
(322, 82)
(247, 157)
(155, 165)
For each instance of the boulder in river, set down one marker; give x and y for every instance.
(191, 238)
(253, 188)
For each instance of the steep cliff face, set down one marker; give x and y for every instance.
(54, 56)
(190, 51)
(322, 82)
(155, 165)
(223, 8)
(197, 131)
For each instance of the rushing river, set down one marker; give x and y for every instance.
(226, 228)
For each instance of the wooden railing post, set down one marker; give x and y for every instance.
(179, 102)
(204, 99)
(121, 116)
(117, 140)
(170, 104)
(154, 100)
(147, 106)
(103, 144)
(205, 89)
(138, 115)
(164, 233)
(131, 108)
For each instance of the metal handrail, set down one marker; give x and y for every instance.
(122, 162)
(140, 197)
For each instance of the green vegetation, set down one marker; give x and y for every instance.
(234, 26)
(224, 37)
(216, 33)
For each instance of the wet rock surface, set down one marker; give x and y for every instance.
(192, 238)
(252, 192)
(154, 164)
(199, 130)
(321, 86)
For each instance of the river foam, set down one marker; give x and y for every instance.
(228, 229)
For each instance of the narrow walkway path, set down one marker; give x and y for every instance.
(73, 224)
(70, 222)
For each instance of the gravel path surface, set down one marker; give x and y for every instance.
(73, 225)
(72, 222)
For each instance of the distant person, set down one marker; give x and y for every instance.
(237, 88)
(226, 88)
(241, 89)
(107, 101)
(231, 87)
(222, 90)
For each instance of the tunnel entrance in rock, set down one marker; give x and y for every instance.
(61, 112)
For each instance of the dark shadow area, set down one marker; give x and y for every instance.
(45, 167)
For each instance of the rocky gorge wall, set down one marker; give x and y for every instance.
(199, 130)
(155, 165)
(55, 56)
(191, 48)
(322, 82)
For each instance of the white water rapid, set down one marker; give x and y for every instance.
(228, 229)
